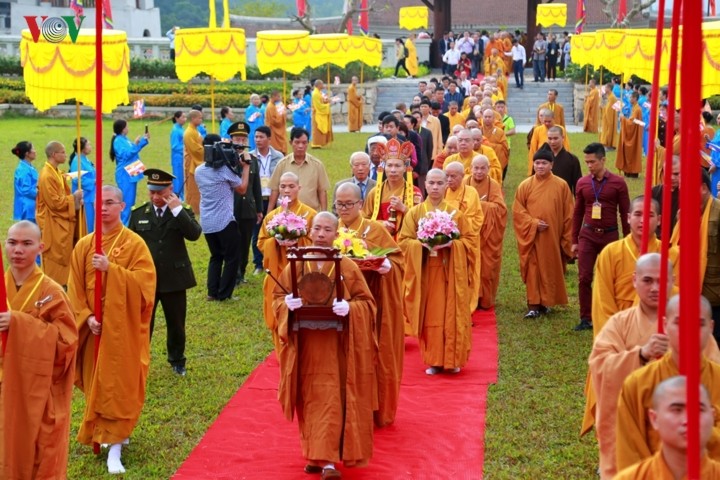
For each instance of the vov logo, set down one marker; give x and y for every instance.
(54, 29)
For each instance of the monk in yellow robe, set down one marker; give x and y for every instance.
(542, 217)
(469, 145)
(274, 250)
(495, 43)
(495, 138)
(276, 120)
(494, 62)
(454, 116)
(591, 109)
(451, 148)
(386, 285)
(502, 82)
(437, 283)
(38, 366)
(540, 136)
(56, 214)
(466, 200)
(355, 107)
(492, 230)
(114, 385)
(629, 152)
(555, 108)
(609, 135)
(194, 157)
(322, 133)
(334, 408)
(636, 439)
(411, 62)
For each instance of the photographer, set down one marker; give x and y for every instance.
(217, 179)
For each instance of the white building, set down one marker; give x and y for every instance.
(139, 18)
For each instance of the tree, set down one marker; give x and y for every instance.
(353, 10)
(610, 9)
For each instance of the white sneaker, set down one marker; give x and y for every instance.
(433, 370)
(115, 466)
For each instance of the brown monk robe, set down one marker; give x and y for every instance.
(609, 135)
(629, 152)
(492, 230)
(355, 107)
(328, 377)
(56, 214)
(38, 366)
(275, 250)
(540, 136)
(386, 285)
(495, 137)
(276, 119)
(194, 157)
(542, 217)
(591, 109)
(437, 286)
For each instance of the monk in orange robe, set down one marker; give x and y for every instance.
(492, 230)
(540, 136)
(38, 367)
(495, 62)
(555, 108)
(334, 408)
(355, 107)
(629, 152)
(437, 283)
(194, 157)
(495, 138)
(276, 119)
(609, 135)
(114, 385)
(469, 145)
(591, 109)
(386, 285)
(451, 148)
(275, 250)
(542, 217)
(322, 133)
(56, 214)
(636, 439)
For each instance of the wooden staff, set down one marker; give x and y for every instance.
(212, 101)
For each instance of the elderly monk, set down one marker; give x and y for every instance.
(591, 108)
(495, 138)
(542, 217)
(609, 135)
(355, 107)
(322, 133)
(468, 148)
(114, 384)
(540, 136)
(555, 108)
(630, 150)
(327, 377)
(466, 200)
(494, 62)
(437, 284)
(627, 342)
(276, 119)
(274, 250)
(38, 366)
(668, 417)
(451, 148)
(386, 285)
(56, 214)
(194, 157)
(492, 230)
(636, 440)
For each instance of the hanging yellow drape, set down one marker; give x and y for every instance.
(218, 52)
(328, 48)
(412, 18)
(549, 14)
(365, 49)
(284, 50)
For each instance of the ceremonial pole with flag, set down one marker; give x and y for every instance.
(622, 11)
(349, 24)
(364, 21)
(300, 7)
(107, 15)
(77, 7)
(581, 16)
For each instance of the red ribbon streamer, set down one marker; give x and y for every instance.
(300, 8)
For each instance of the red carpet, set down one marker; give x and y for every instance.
(438, 432)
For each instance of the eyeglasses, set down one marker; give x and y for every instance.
(345, 206)
(110, 203)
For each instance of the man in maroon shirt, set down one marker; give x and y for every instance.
(599, 198)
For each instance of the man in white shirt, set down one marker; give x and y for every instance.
(519, 57)
(451, 58)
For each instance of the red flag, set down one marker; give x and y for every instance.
(107, 15)
(300, 7)
(581, 16)
(622, 11)
(349, 24)
(364, 20)
(711, 3)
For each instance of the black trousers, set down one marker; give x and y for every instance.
(224, 249)
(174, 305)
(257, 254)
(401, 63)
(245, 227)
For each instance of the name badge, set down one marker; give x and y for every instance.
(596, 211)
(265, 182)
(143, 221)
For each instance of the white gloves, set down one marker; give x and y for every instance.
(293, 303)
(444, 245)
(286, 243)
(385, 267)
(340, 308)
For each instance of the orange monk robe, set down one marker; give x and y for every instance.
(496, 139)
(557, 110)
(355, 109)
(439, 161)
(636, 438)
(433, 124)
(491, 237)
(389, 324)
(322, 133)
(276, 119)
(660, 159)
(539, 137)
(275, 259)
(467, 201)
(456, 119)
(494, 43)
(115, 387)
(629, 152)
(335, 420)
(609, 135)
(495, 165)
(655, 468)
(493, 63)
(194, 157)
(36, 380)
(543, 254)
(502, 82)
(437, 289)
(591, 111)
(57, 219)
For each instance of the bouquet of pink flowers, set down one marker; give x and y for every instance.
(437, 229)
(286, 227)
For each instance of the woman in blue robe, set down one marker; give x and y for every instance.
(88, 179)
(176, 153)
(124, 153)
(254, 117)
(25, 182)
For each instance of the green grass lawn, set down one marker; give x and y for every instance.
(534, 411)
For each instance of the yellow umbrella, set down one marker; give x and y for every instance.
(582, 47)
(366, 49)
(218, 52)
(328, 48)
(284, 50)
(412, 18)
(549, 14)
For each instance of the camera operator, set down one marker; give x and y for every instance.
(217, 179)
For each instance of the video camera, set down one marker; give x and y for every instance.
(228, 154)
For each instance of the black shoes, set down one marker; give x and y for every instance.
(536, 313)
(179, 370)
(584, 324)
(531, 314)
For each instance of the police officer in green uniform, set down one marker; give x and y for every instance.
(165, 223)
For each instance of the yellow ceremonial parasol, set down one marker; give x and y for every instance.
(412, 18)
(549, 14)
(220, 53)
(284, 50)
(327, 48)
(367, 50)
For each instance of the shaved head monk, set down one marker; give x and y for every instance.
(38, 366)
(327, 374)
(636, 440)
(494, 134)
(668, 417)
(467, 149)
(540, 135)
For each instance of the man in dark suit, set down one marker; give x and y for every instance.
(425, 156)
(165, 223)
(360, 166)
